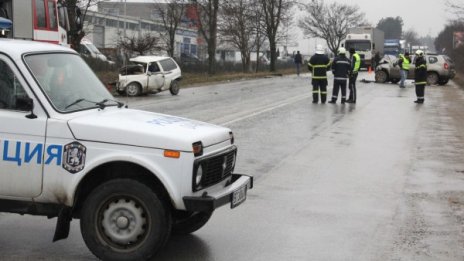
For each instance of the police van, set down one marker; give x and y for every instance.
(69, 150)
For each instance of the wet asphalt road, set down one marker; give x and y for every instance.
(379, 180)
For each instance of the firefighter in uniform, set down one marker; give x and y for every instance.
(355, 65)
(341, 67)
(318, 65)
(420, 76)
(404, 62)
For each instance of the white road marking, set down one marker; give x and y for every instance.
(267, 108)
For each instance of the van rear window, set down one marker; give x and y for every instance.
(168, 65)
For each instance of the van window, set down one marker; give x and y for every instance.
(52, 14)
(432, 59)
(10, 88)
(41, 21)
(168, 65)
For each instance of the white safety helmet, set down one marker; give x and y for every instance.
(419, 53)
(319, 49)
(341, 50)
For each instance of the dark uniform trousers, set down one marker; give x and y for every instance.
(420, 92)
(352, 86)
(339, 84)
(319, 87)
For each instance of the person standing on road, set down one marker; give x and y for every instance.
(355, 65)
(341, 67)
(420, 76)
(404, 62)
(298, 62)
(318, 65)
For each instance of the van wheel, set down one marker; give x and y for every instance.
(133, 89)
(123, 219)
(174, 89)
(186, 222)
(432, 78)
(381, 76)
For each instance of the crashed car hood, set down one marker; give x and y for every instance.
(146, 129)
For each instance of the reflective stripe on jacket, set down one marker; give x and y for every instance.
(341, 67)
(318, 65)
(420, 72)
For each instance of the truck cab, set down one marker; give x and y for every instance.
(132, 178)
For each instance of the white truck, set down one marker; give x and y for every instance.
(69, 150)
(366, 41)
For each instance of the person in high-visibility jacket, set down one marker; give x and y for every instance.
(404, 63)
(420, 76)
(319, 64)
(355, 65)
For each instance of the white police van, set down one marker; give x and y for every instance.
(68, 150)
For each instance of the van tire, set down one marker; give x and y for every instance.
(432, 78)
(122, 219)
(133, 89)
(174, 88)
(381, 76)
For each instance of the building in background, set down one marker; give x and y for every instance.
(114, 20)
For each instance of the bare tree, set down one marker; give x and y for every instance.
(171, 14)
(456, 7)
(140, 44)
(237, 27)
(330, 21)
(208, 18)
(76, 19)
(411, 37)
(274, 11)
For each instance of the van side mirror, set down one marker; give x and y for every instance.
(26, 104)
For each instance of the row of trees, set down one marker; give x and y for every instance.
(248, 25)
(245, 24)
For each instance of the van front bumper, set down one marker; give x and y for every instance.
(234, 194)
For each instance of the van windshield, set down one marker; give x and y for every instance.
(65, 79)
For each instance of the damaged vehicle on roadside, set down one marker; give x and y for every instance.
(440, 69)
(149, 74)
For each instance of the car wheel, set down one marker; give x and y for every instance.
(432, 78)
(123, 219)
(186, 222)
(443, 81)
(133, 89)
(381, 76)
(395, 81)
(174, 89)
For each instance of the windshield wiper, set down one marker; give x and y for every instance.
(102, 103)
(78, 101)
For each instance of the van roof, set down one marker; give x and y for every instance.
(149, 58)
(16, 48)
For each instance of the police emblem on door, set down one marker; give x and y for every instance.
(74, 157)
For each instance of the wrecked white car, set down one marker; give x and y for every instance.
(149, 74)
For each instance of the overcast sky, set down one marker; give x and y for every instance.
(424, 16)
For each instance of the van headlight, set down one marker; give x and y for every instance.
(198, 176)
